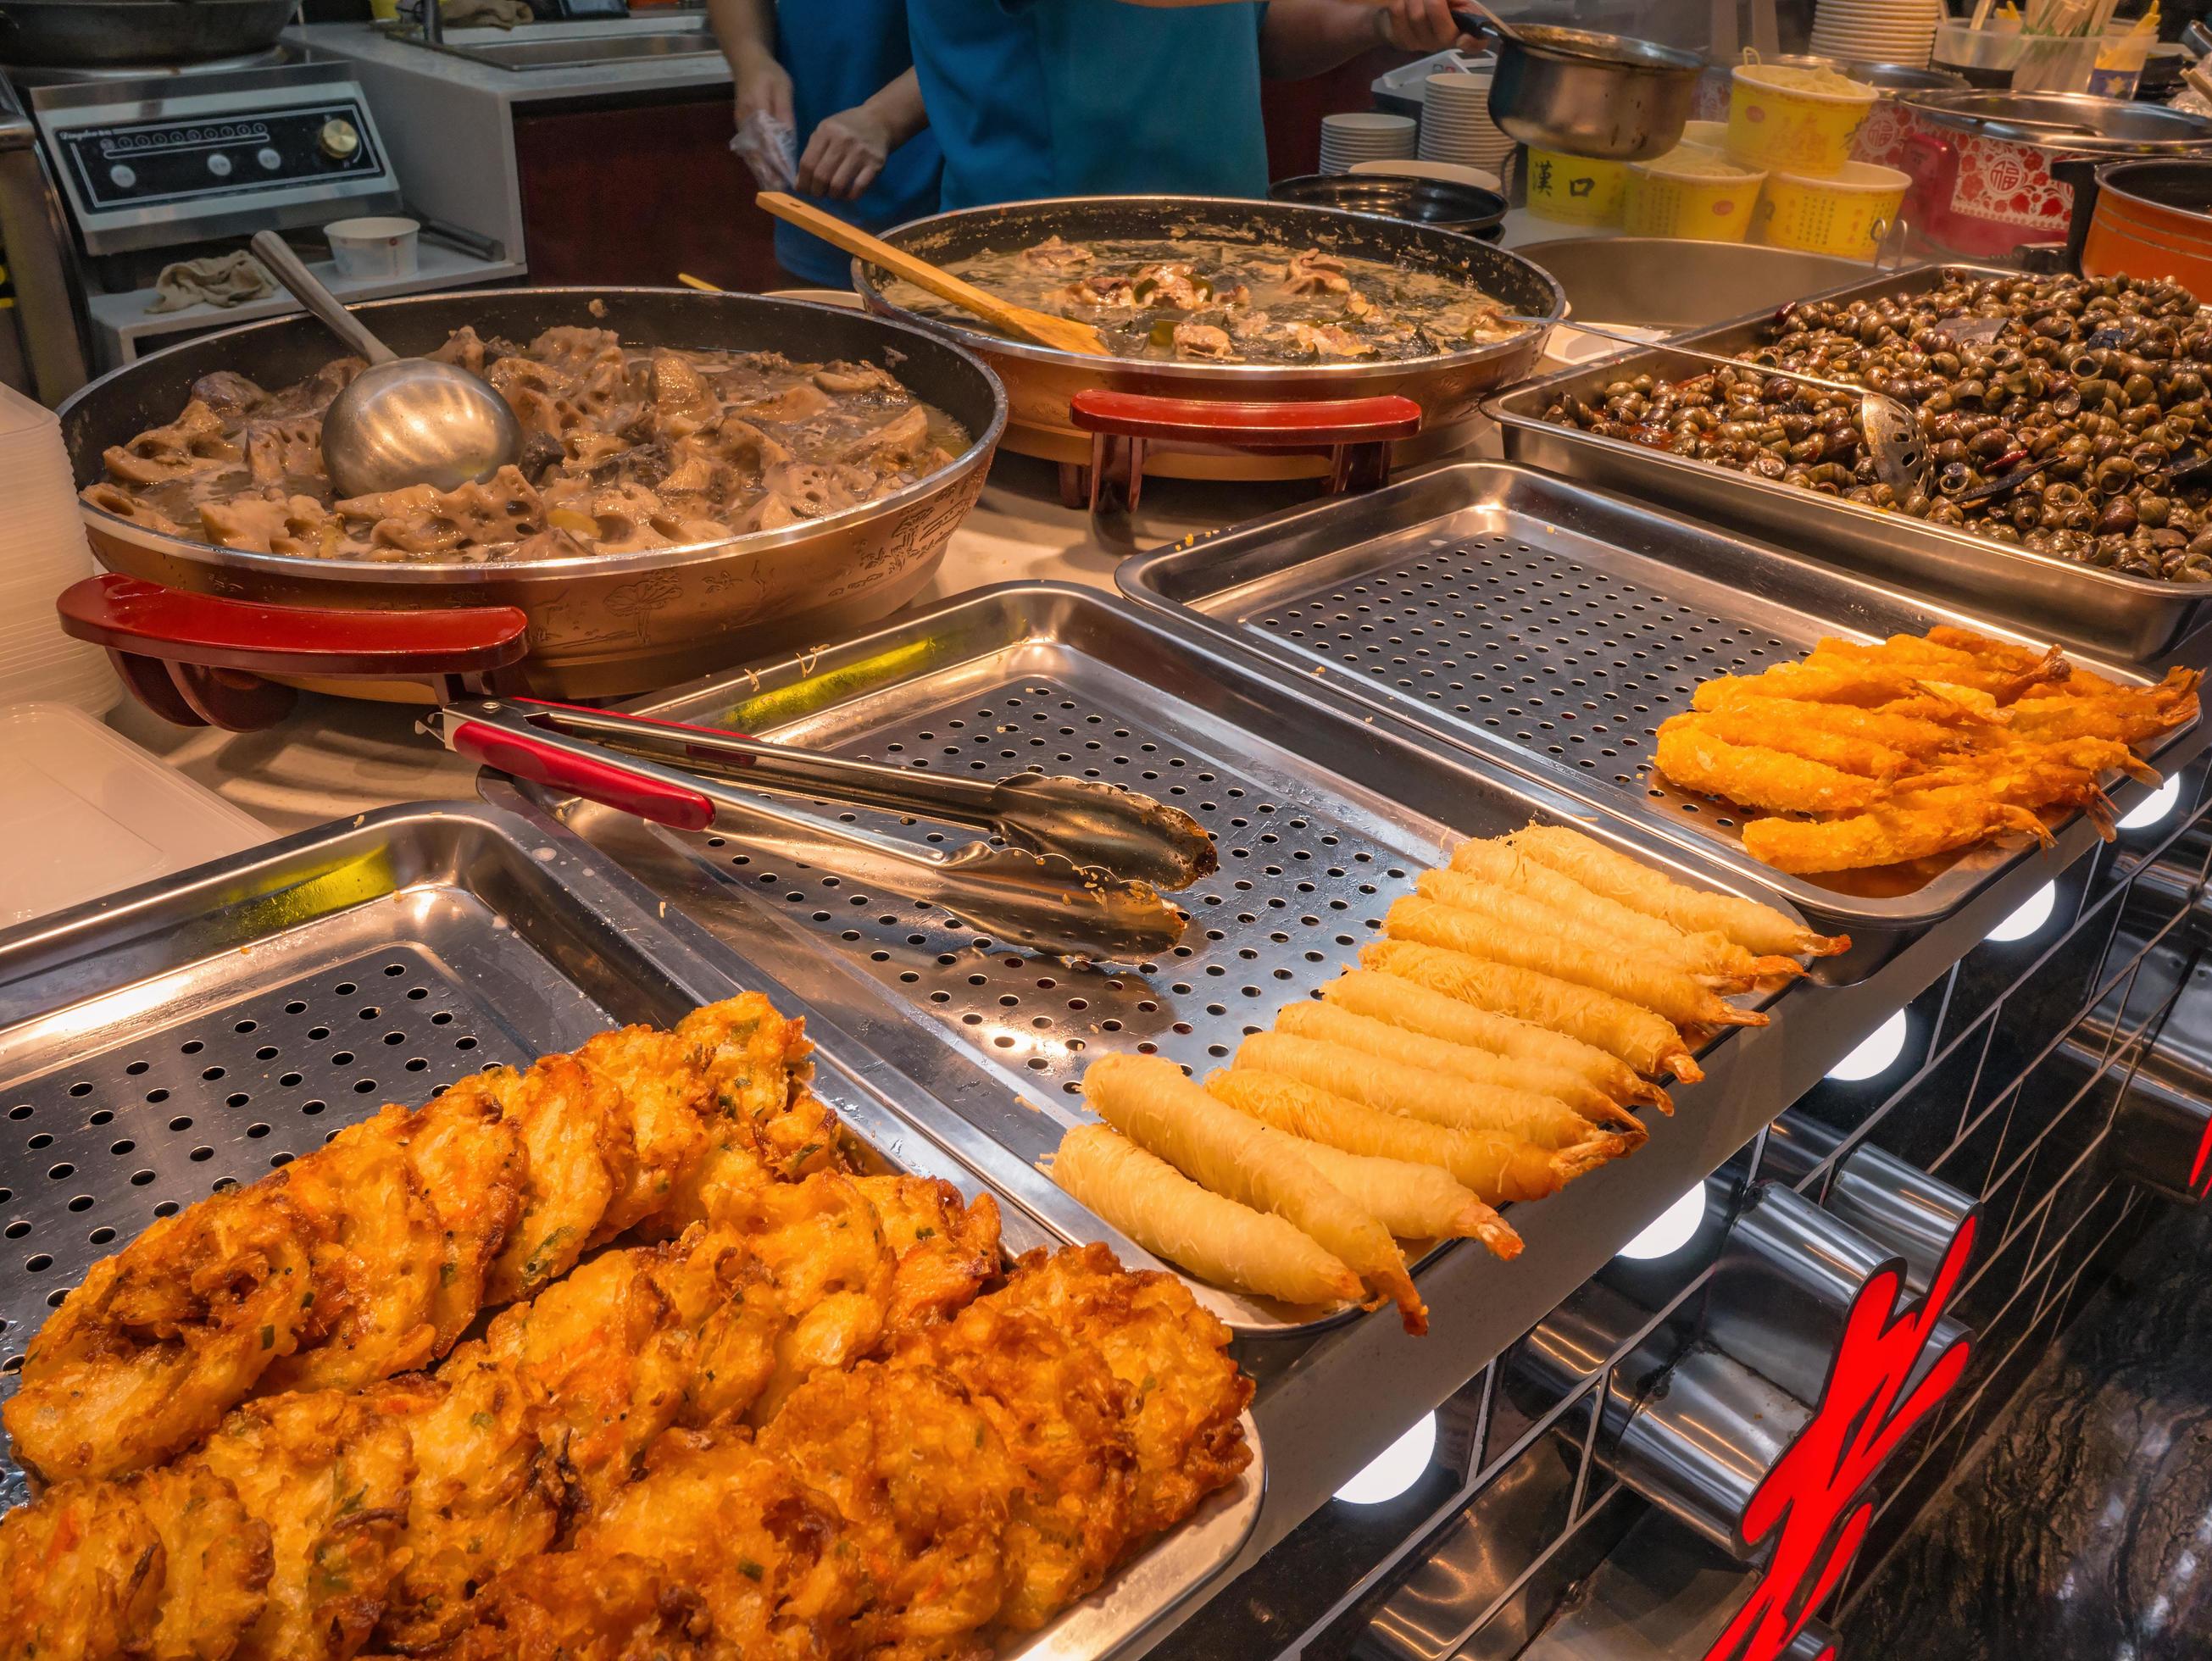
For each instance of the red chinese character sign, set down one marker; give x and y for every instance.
(1814, 1503)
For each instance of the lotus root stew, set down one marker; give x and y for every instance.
(626, 448)
(2090, 393)
(1204, 299)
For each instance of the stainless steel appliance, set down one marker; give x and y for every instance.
(125, 169)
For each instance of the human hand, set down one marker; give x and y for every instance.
(763, 88)
(845, 153)
(1421, 25)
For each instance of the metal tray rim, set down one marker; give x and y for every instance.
(1140, 579)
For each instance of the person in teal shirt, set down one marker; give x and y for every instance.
(1044, 97)
(835, 74)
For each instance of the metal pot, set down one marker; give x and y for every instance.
(1056, 396)
(601, 626)
(1983, 161)
(1445, 203)
(2142, 219)
(88, 33)
(1582, 92)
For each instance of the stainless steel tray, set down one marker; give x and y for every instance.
(2136, 620)
(1322, 815)
(202, 1031)
(185, 1034)
(1553, 627)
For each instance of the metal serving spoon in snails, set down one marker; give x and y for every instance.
(401, 421)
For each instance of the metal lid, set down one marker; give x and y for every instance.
(2072, 123)
(1883, 77)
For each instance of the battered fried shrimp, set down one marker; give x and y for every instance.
(1866, 683)
(2089, 706)
(945, 1248)
(1149, 1100)
(1887, 836)
(1753, 728)
(2001, 672)
(1756, 927)
(1405, 1087)
(1552, 1063)
(160, 1338)
(1496, 862)
(1185, 1395)
(328, 1473)
(1665, 993)
(1692, 757)
(1172, 1217)
(1333, 1023)
(1414, 1201)
(1513, 907)
(1495, 1169)
(1646, 1041)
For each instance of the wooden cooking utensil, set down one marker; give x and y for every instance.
(1062, 332)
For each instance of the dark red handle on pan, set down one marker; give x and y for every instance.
(604, 782)
(1247, 425)
(128, 614)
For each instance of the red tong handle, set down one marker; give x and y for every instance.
(1247, 425)
(128, 614)
(604, 782)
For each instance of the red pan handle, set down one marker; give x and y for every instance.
(148, 619)
(605, 782)
(1242, 425)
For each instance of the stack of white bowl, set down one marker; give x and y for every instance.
(42, 551)
(1364, 136)
(1455, 124)
(1876, 31)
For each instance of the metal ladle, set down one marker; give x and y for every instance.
(401, 421)
(1892, 429)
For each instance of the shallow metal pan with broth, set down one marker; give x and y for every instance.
(606, 624)
(1041, 381)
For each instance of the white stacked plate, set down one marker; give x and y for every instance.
(1876, 31)
(1364, 136)
(1455, 124)
(42, 551)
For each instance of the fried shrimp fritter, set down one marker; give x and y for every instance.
(755, 1065)
(215, 1561)
(824, 1244)
(144, 1357)
(575, 1131)
(1064, 1419)
(329, 1474)
(657, 1076)
(377, 1258)
(471, 1164)
(924, 1487)
(946, 1249)
(615, 1608)
(1173, 1356)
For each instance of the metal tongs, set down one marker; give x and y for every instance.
(1080, 876)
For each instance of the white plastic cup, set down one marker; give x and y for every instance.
(365, 250)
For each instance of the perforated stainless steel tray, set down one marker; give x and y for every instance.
(2135, 619)
(177, 1037)
(1554, 628)
(1322, 816)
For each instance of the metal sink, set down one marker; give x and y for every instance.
(557, 46)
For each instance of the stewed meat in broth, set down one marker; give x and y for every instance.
(626, 448)
(1206, 299)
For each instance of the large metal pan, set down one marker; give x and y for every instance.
(1281, 402)
(602, 626)
(82, 34)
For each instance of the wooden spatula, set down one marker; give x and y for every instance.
(1063, 333)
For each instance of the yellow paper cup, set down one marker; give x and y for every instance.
(1573, 190)
(1686, 194)
(1847, 215)
(1705, 135)
(1777, 126)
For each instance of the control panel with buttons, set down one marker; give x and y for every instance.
(226, 155)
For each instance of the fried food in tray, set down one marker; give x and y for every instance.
(1490, 1048)
(1909, 749)
(370, 1256)
(701, 1443)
